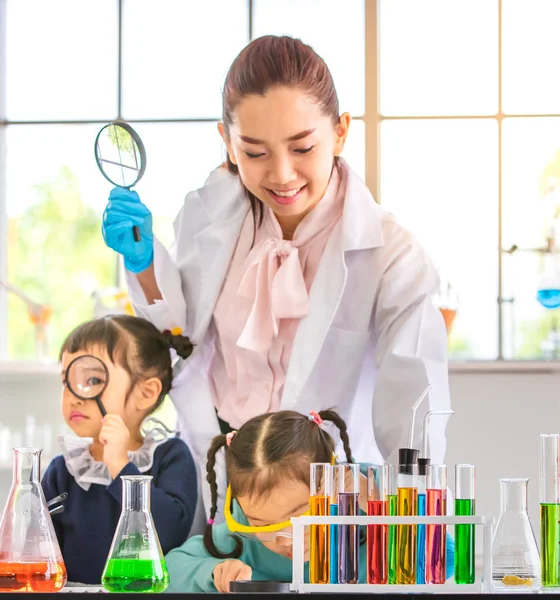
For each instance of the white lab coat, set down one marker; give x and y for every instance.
(371, 342)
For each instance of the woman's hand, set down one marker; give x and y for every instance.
(115, 437)
(125, 210)
(230, 570)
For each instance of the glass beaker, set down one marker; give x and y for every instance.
(30, 557)
(135, 562)
(515, 556)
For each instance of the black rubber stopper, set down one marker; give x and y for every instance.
(423, 466)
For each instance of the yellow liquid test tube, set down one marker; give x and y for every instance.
(407, 502)
(319, 505)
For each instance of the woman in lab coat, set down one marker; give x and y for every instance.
(297, 289)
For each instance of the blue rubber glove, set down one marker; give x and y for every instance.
(124, 210)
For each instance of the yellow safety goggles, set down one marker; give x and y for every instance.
(236, 527)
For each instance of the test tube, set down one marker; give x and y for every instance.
(319, 500)
(550, 509)
(378, 484)
(334, 528)
(421, 529)
(407, 506)
(392, 511)
(348, 535)
(464, 534)
(436, 496)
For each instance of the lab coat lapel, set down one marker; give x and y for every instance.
(226, 207)
(358, 229)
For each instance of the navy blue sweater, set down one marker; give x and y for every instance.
(86, 527)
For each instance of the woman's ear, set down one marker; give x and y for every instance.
(148, 393)
(341, 132)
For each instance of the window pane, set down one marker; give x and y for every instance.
(440, 179)
(180, 157)
(438, 57)
(531, 47)
(56, 254)
(336, 31)
(531, 205)
(61, 59)
(176, 56)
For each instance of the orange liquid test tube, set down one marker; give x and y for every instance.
(319, 505)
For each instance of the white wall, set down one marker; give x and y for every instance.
(496, 426)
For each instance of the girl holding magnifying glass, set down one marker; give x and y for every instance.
(116, 372)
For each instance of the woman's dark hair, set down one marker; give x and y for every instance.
(266, 449)
(276, 61)
(133, 343)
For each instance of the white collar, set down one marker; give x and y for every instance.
(86, 470)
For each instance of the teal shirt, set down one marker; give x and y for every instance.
(191, 567)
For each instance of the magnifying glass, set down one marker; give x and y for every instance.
(121, 157)
(87, 377)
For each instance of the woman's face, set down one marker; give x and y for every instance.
(284, 147)
(288, 499)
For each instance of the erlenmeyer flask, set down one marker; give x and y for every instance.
(515, 556)
(135, 562)
(30, 557)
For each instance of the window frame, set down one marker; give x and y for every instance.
(372, 119)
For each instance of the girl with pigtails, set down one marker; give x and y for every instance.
(268, 470)
(268, 465)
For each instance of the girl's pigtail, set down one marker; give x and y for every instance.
(336, 419)
(178, 342)
(217, 444)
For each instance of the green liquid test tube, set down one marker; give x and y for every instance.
(464, 534)
(550, 509)
(392, 534)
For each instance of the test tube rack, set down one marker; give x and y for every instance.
(482, 583)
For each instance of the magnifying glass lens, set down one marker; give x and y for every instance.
(87, 377)
(120, 155)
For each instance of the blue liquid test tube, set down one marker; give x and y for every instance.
(334, 528)
(421, 532)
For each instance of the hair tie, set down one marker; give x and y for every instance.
(210, 521)
(229, 437)
(174, 331)
(315, 417)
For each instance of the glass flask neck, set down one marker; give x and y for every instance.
(136, 492)
(27, 465)
(513, 495)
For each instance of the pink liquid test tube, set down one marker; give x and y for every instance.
(436, 505)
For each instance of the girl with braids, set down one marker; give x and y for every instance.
(268, 466)
(139, 365)
(268, 469)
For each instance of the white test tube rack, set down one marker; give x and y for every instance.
(482, 583)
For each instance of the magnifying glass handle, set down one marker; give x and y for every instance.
(136, 233)
(101, 407)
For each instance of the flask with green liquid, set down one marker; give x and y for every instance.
(135, 562)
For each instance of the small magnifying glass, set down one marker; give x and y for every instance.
(87, 377)
(121, 157)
